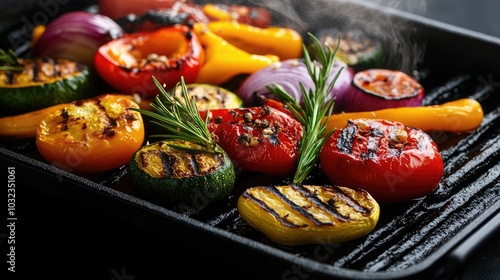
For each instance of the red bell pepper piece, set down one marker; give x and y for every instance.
(391, 161)
(258, 139)
(128, 63)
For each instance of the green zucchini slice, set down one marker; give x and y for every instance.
(209, 96)
(41, 83)
(176, 178)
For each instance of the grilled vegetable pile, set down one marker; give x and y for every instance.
(192, 99)
(300, 213)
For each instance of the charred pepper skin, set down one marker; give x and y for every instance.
(91, 135)
(258, 139)
(391, 161)
(184, 12)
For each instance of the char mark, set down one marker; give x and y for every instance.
(296, 207)
(347, 137)
(350, 201)
(269, 210)
(313, 198)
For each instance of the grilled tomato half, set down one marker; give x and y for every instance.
(391, 161)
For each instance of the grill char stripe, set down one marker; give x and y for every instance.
(10, 77)
(34, 72)
(109, 130)
(395, 152)
(313, 198)
(55, 63)
(373, 142)
(167, 164)
(262, 205)
(194, 164)
(296, 207)
(346, 138)
(350, 201)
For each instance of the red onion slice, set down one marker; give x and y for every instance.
(376, 89)
(76, 36)
(289, 73)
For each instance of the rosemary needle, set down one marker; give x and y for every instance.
(9, 61)
(315, 108)
(181, 119)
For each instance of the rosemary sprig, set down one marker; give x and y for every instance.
(315, 106)
(181, 119)
(9, 61)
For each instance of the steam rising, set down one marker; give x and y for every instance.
(404, 50)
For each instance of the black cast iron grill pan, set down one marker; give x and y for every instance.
(431, 237)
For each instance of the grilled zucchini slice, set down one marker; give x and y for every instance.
(41, 83)
(293, 215)
(357, 49)
(173, 177)
(209, 96)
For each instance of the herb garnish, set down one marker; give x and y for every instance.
(9, 61)
(315, 108)
(181, 118)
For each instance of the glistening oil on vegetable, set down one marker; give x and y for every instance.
(399, 224)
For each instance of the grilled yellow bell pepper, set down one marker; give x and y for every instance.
(293, 215)
(24, 125)
(461, 115)
(223, 60)
(286, 43)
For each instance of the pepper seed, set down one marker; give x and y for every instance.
(247, 117)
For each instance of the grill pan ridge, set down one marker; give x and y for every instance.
(411, 240)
